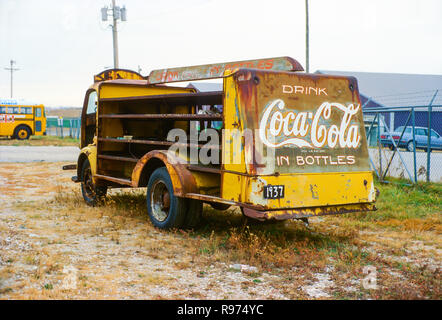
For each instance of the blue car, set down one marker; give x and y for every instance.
(407, 142)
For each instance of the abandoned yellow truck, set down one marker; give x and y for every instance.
(275, 141)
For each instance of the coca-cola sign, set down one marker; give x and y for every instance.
(281, 126)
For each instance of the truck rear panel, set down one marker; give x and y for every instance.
(308, 141)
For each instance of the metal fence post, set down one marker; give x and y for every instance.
(369, 156)
(429, 136)
(78, 127)
(413, 120)
(379, 145)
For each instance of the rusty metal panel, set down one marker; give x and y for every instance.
(302, 123)
(114, 74)
(210, 71)
(307, 212)
(301, 190)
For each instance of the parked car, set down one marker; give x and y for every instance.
(407, 142)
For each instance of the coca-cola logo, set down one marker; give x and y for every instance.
(284, 127)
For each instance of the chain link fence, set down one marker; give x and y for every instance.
(63, 127)
(406, 141)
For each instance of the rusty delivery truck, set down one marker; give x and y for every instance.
(275, 141)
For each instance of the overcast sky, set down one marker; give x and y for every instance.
(60, 44)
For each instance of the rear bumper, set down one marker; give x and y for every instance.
(307, 212)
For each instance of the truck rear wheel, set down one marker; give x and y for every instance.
(92, 194)
(165, 210)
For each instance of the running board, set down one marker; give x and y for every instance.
(69, 167)
(113, 179)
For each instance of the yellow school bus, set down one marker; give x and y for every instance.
(291, 145)
(21, 120)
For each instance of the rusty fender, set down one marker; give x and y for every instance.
(307, 212)
(182, 180)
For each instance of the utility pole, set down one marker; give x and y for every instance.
(12, 69)
(115, 34)
(116, 13)
(307, 67)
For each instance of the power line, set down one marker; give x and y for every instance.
(12, 69)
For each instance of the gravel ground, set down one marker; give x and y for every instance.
(46, 254)
(52, 251)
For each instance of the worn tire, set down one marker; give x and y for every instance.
(92, 194)
(165, 210)
(22, 132)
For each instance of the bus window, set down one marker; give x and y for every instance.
(23, 110)
(2, 109)
(92, 103)
(37, 112)
(28, 110)
(14, 110)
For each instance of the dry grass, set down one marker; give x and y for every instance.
(118, 254)
(40, 141)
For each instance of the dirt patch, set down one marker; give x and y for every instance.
(53, 246)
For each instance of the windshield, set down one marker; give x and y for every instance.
(434, 134)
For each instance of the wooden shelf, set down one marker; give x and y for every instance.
(153, 142)
(118, 158)
(197, 98)
(170, 116)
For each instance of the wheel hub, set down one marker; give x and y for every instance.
(89, 184)
(160, 201)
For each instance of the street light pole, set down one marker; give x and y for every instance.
(12, 69)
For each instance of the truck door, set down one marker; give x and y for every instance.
(89, 118)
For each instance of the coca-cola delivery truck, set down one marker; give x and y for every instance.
(275, 141)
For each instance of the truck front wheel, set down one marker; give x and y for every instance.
(92, 193)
